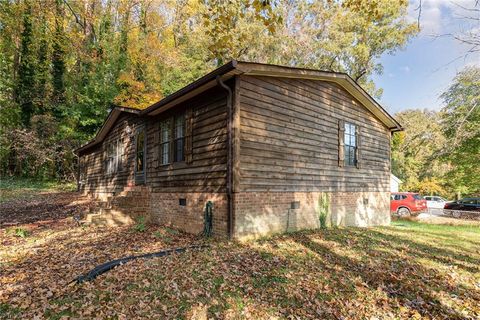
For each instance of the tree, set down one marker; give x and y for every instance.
(58, 64)
(230, 26)
(26, 69)
(415, 152)
(68, 61)
(343, 36)
(461, 126)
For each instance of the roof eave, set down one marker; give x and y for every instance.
(199, 85)
(249, 68)
(344, 80)
(107, 124)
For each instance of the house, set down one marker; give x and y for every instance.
(262, 142)
(394, 183)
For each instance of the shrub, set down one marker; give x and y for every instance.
(323, 209)
(18, 232)
(140, 226)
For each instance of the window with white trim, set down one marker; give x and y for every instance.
(111, 158)
(165, 135)
(350, 143)
(114, 154)
(172, 139)
(179, 142)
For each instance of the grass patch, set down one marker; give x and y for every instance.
(8, 311)
(23, 188)
(18, 232)
(140, 225)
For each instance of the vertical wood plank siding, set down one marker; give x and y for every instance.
(289, 138)
(206, 171)
(96, 179)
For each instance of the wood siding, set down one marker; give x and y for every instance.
(289, 138)
(92, 161)
(206, 171)
(286, 138)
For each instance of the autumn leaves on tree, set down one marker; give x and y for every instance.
(63, 63)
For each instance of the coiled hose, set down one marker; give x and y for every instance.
(208, 220)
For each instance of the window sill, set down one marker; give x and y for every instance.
(173, 165)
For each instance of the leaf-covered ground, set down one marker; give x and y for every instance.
(407, 270)
(25, 189)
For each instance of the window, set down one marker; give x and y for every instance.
(398, 197)
(172, 140)
(165, 142)
(350, 141)
(179, 141)
(114, 154)
(429, 198)
(469, 201)
(140, 150)
(82, 170)
(111, 158)
(416, 196)
(120, 154)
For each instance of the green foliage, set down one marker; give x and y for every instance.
(20, 188)
(58, 56)
(461, 126)
(438, 153)
(26, 69)
(140, 225)
(9, 312)
(323, 209)
(18, 232)
(68, 61)
(415, 152)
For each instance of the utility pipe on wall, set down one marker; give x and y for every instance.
(229, 156)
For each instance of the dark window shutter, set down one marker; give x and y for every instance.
(104, 156)
(171, 154)
(188, 136)
(123, 153)
(156, 148)
(120, 154)
(341, 143)
(358, 149)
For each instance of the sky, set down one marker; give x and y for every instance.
(415, 76)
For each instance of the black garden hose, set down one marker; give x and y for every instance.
(98, 270)
(208, 220)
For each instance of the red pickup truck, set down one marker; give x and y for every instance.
(407, 203)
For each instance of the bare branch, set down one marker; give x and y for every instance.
(77, 18)
(419, 9)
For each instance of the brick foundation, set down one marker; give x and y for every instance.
(263, 213)
(166, 210)
(255, 213)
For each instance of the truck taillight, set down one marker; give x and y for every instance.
(419, 203)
